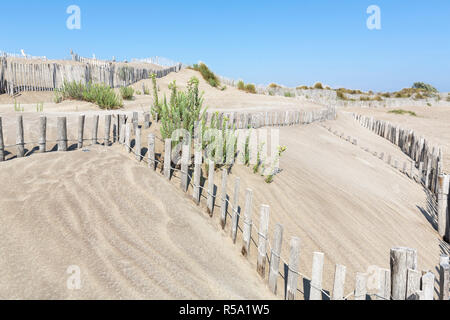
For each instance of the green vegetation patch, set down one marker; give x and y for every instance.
(207, 74)
(100, 94)
(401, 111)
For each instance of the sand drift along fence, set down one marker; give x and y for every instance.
(19, 74)
(427, 159)
(401, 281)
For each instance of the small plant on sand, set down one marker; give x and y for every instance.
(241, 85)
(273, 170)
(401, 111)
(289, 94)
(145, 90)
(156, 108)
(127, 93)
(17, 107)
(138, 93)
(40, 107)
(247, 150)
(258, 159)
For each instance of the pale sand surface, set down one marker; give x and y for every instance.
(433, 123)
(126, 227)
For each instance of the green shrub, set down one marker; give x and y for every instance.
(318, 85)
(340, 94)
(207, 74)
(156, 108)
(274, 86)
(289, 94)
(100, 94)
(250, 88)
(127, 93)
(302, 88)
(241, 85)
(183, 109)
(424, 86)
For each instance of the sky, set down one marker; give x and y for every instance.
(286, 42)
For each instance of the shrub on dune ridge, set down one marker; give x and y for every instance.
(318, 85)
(207, 74)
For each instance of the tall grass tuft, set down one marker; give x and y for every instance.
(127, 93)
(100, 94)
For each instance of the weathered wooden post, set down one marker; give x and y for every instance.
(315, 292)
(443, 189)
(262, 240)
(81, 118)
(428, 286)
(197, 176)
(339, 282)
(384, 290)
(94, 129)
(412, 284)
(275, 258)
(444, 278)
(247, 227)
(19, 138)
(2, 144)
(210, 199)
(107, 129)
(167, 157)
(120, 129)
(223, 206)
(184, 167)
(135, 121)
(234, 216)
(128, 137)
(294, 264)
(151, 151)
(361, 286)
(400, 260)
(42, 133)
(147, 120)
(62, 133)
(137, 146)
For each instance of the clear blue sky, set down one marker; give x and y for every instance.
(287, 42)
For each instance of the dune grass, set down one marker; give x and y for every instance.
(100, 94)
(401, 111)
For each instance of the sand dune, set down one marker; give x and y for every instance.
(344, 202)
(134, 235)
(214, 98)
(119, 222)
(431, 122)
